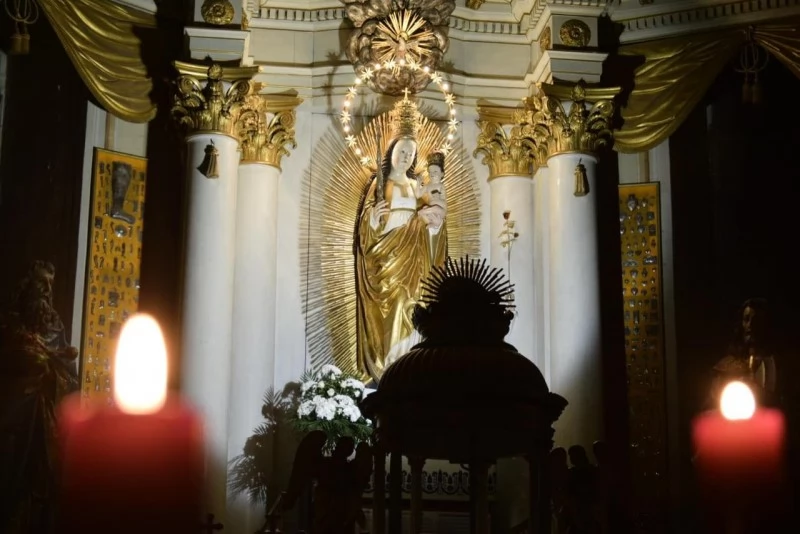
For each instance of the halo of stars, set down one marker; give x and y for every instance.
(345, 116)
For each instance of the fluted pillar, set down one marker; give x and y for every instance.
(206, 103)
(266, 129)
(506, 147)
(571, 124)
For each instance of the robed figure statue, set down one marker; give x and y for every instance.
(401, 235)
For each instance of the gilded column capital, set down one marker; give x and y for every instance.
(208, 98)
(265, 127)
(505, 140)
(571, 118)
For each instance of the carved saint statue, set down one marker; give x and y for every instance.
(749, 356)
(37, 369)
(401, 235)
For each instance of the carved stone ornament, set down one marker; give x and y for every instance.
(546, 39)
(575, 33)
(266, 127)
(405, 32)
(217, 12)
(582, 129)
(210, 104)
(475, 4)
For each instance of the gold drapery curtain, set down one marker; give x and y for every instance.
(677, 72)
(99, 37)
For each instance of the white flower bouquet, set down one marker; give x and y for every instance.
(329, 402)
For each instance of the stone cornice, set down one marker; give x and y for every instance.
(657, 21)
(464, 23)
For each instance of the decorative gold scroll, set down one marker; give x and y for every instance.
(640, 232)
(99, 37)
(113, 260)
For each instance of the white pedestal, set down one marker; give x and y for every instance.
(574, 306)
(253, 318)
(208, 301)
(515, 194)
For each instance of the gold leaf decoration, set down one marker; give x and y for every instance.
(333, 191)
(581, 129)
(217, 12)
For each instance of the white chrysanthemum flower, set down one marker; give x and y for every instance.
(353, 383)
(344, 400)
(331, 392)
(330, 370)
(305, 409)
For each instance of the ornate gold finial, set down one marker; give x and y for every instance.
(265, 128)
(584, 128)
(213, 106)
(405, 118)
(581, 180)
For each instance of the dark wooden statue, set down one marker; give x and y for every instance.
(338, 481)
(37, 369)
(749, 357)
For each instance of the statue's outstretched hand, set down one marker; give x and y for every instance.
(378, 211)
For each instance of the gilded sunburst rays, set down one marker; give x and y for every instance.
(404, 36)
(333, 189)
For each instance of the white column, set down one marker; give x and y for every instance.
(253, 317)
(208, 301)
(541, 272)
(515, 194)
(574, 307)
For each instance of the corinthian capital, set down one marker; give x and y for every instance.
(571, 118)
(506, 141)
(265, 128)
(208, 98)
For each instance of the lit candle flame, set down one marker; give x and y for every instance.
(140, 367)
(737, 401)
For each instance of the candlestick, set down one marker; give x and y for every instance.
(136, 467)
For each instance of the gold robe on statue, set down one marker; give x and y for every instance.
(390, 268)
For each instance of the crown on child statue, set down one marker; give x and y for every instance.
(436, 158)
(405, 118)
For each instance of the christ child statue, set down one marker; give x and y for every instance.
(432, 194)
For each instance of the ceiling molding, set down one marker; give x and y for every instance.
(670, 19)
(463, 21)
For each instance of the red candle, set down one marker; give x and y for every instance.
(739, 449)
(136, 467)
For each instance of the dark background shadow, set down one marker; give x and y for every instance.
(735, 182)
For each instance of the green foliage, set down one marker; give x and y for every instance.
(251, 472)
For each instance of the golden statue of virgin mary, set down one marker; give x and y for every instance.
(361, 262)
(402, 235)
